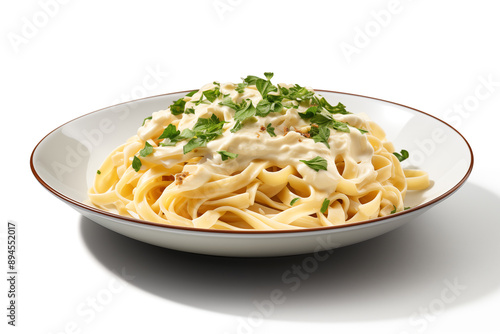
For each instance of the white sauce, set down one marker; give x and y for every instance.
(252, 142)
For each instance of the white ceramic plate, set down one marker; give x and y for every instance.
(66, 160)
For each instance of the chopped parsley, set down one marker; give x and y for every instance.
(212, 94)
(241, 87)
(270, 130)
(171, 136)
(190, 94)
(98, 172)
(309, 113)
(328, 121)
(227, 155)
(136, 163)
(251, 80)
(264, 107)
(204, 131)
(294, 201)
(147, 150)
(147, 118)
(316, 163)
(322, 136)
(362, 131)
(395, 209)
(402, 156)
(325, 205)
(177, 107)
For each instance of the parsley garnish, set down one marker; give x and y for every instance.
(98, 172)
(327, 120)
(403, 156)
(212, 94)
(316, 163)
(227, 155)
(147, 150)
(177, 107)
(251, 80)
(245, 113)
(297, 93)
(270, 130)
(171, 136)
(136, 163)
(338, 109)
(294, 201)
(190, 94)
(265, 87)
(228, 102)
(147, 118)
(325, 205)
(395, 209)
(264, 107)
(322, 136)
(309, 113)
(241, 87)
(205, 130)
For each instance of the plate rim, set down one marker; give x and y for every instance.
(242, 232)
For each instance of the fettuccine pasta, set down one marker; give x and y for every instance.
(255, 156)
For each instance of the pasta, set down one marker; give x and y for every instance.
(255, 156)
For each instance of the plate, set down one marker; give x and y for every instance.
(65, 162)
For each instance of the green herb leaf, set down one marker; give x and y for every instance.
(340, 126)
(322, 136)
(144, 122)
(171, 136)
(136, 163)
(241, 87)
(147, 150)
(309, 113)
(325, 205)
(251, 79)
(98, 172)
(403, 156)
(294, 201)
(395, 209)
(322, 119)
(297, 93)
(245, 113)
(227, 155)
(264, 107)
(316, 163)
(228, 102)
(170, 132)
(177, 107)
(407, 207)
(204, 131)
(338, 109)
(362, 131)
(270, 130)
(268, 75)
(190, 94)
(212, 94)
(237, 126)
(265, 87)
(189, 111)
(208, 125)
(194, 143)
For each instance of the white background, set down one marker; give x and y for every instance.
(63, 60)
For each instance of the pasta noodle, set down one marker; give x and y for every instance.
(255, 156)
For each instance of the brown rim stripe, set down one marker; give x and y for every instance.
(195, 229)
